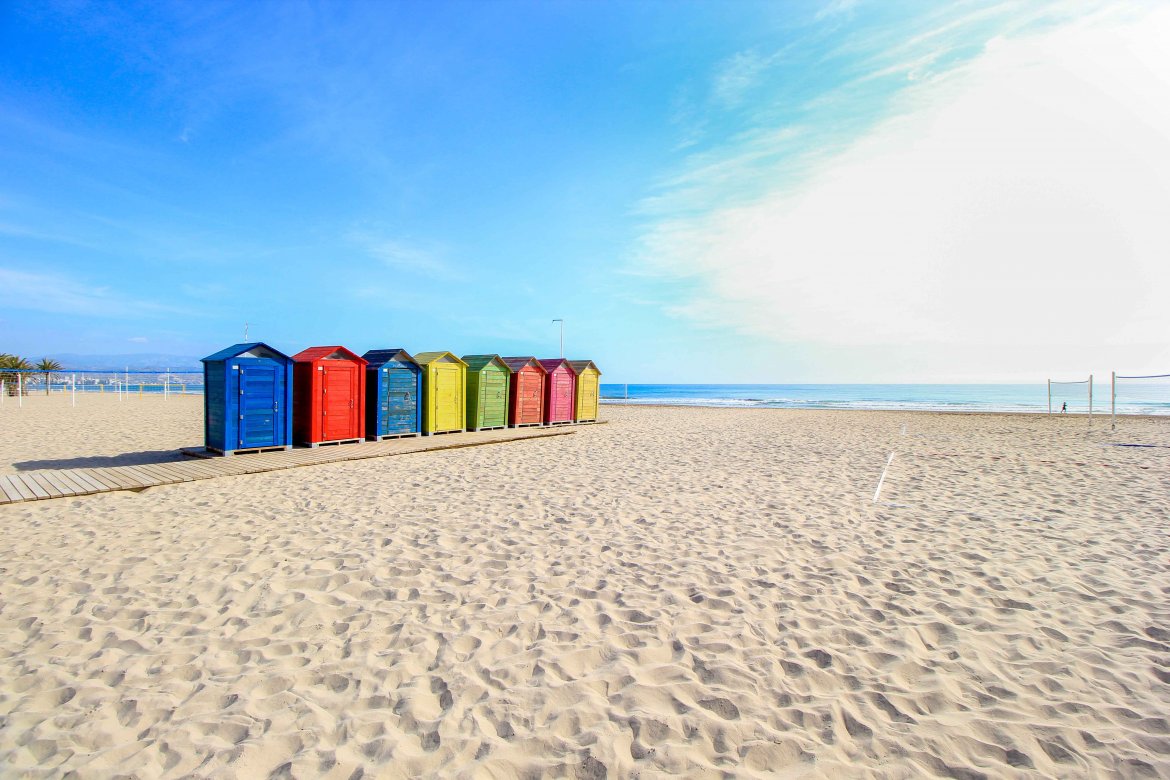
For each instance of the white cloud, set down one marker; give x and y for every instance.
(736, 75)
(1020, 199)
(139, 339)
(57, 294)
(403, 256)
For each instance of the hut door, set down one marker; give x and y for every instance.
(448, 397)
(528, 396)
(494, 387)
(587, 393)
(260, 412)
(339, 401)
(562, 406)
(400, 404)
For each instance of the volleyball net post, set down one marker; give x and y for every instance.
(1154, 398)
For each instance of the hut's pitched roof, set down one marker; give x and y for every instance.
(552, 364)
(479, 362)
(318, 353)
(238, 349)
(423, 358)
(517, 363)
(379, 357)
(579, 366)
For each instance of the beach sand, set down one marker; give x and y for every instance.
(701, 592)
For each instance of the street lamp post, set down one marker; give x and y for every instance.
(562, 335)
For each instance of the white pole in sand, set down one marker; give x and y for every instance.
(3, 392)
(19, 390)
(73, 388)
(878, 492)
(1090, 399)
(1113, 401)
(1050, 396)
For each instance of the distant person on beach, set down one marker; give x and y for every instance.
(1064, 407)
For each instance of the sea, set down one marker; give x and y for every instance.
(1142, 398)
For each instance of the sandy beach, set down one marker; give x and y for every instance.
(693, 592)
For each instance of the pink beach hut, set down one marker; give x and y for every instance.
(559, 391)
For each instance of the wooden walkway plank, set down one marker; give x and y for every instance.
(75, 486)
(9, 491)
(31, 486)
(61, 483)
(54, 477)
(37, 478)
(24, 490)
(80, 477)
(115, 479)
(195, 469)
(135, 472)
(165, 471)
(162, 475)
(51, 477)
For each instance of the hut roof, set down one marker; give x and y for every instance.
(517, 363)
(239, 349)
(479, 362)
(423, 358)
(319, 353)
(552, 364)
(378, 357)
(579, 366)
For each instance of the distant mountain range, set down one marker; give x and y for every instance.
(138, 362)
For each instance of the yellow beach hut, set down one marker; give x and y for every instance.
(444, 377)
(588, 390)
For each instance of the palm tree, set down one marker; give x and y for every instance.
(12, 362)
(47, 367)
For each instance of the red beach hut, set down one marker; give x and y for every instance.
(526, 396)
(329, 390)
(560, 388)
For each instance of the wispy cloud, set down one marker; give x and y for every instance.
(405, 256)
(57, 294)
(737, 75)
(1020, 197)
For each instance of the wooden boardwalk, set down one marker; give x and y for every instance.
(66, 483)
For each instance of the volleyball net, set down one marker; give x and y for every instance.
(1070, 397)
(1145, 394)
(22, 383)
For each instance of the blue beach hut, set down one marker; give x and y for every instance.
(393, 390)
(247, 399)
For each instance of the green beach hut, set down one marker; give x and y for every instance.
(444, 381)
(487, 391)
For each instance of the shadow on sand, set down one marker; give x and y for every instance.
(100, 461)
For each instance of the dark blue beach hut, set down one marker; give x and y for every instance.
(393, 390)
(247, 399)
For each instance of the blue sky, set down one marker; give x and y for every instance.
(768, 192)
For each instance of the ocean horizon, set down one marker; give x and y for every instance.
(1148, 398)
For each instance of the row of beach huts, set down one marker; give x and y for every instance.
(257, 398)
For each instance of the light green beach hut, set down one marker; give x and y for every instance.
(487, 391)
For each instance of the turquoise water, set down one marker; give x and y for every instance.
(1138, 398)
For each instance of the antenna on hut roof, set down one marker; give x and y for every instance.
(245, 332)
